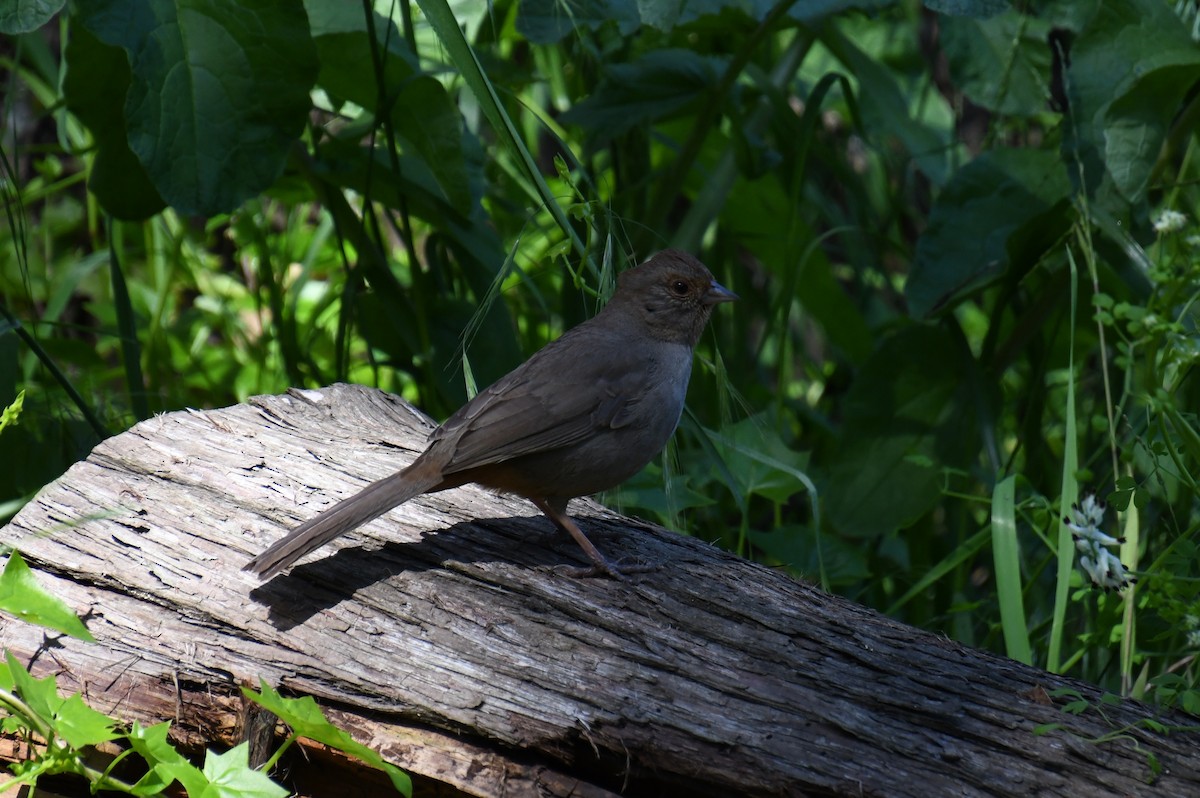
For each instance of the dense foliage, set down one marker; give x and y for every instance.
(964, 235)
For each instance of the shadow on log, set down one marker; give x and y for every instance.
(442, 636)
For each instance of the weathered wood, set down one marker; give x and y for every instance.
(442, 635)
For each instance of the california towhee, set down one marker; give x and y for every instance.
(582, 415)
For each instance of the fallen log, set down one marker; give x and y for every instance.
(443, 636)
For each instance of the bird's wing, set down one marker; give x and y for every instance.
(555, 399)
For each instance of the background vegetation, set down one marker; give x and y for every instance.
(964, 235)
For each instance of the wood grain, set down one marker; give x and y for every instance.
(443, 635)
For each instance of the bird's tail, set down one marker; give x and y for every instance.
(366, 505)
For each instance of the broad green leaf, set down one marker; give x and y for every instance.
(759, 460)
(25, 16)
(94, 88)
(1119, 115)
(1001, 63)
(230, 776)
(910, 413)
(23, 597)
(426, 116)
(842, 561)
(655, 87)
(218, 92)
(548, 21)
(999, 212)
(969, 8)
(306, 720)
(650, 490)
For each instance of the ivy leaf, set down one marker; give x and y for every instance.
(166, 764)
(307, 720)
(22, 596)
(230, 776)
(68, 718)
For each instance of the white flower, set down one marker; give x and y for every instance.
(1086, 517)
(1169, 222)
(1103, 568)
(1106, 571)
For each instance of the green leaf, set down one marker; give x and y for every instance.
(759, 460)
(80, 725)
(649, 490)
(348, 72)
(754, 211)
(94, 89)
(444, 23)
(964, 552)
(968, 8)
(1119, 115)
(885, 107)
(230, 776)
(425, 115)
(40, 695)
(548, 21)
(419, 108)
(166, 764)
(306, 720)
(808, 553)
(68, 718)
(25, 16)
(914, 403)
(1004, 208)
(22, 596)
(1001, 63)
(1009, 585)
(218, 92)
(658, 86)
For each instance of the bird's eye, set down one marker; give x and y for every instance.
(679, 288)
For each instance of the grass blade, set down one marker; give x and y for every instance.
(1006, 553)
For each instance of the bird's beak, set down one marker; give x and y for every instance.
(718, 293)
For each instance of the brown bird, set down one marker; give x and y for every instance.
(582, 415)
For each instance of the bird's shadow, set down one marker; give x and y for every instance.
(319, 584)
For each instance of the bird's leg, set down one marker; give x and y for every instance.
(601, 566)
